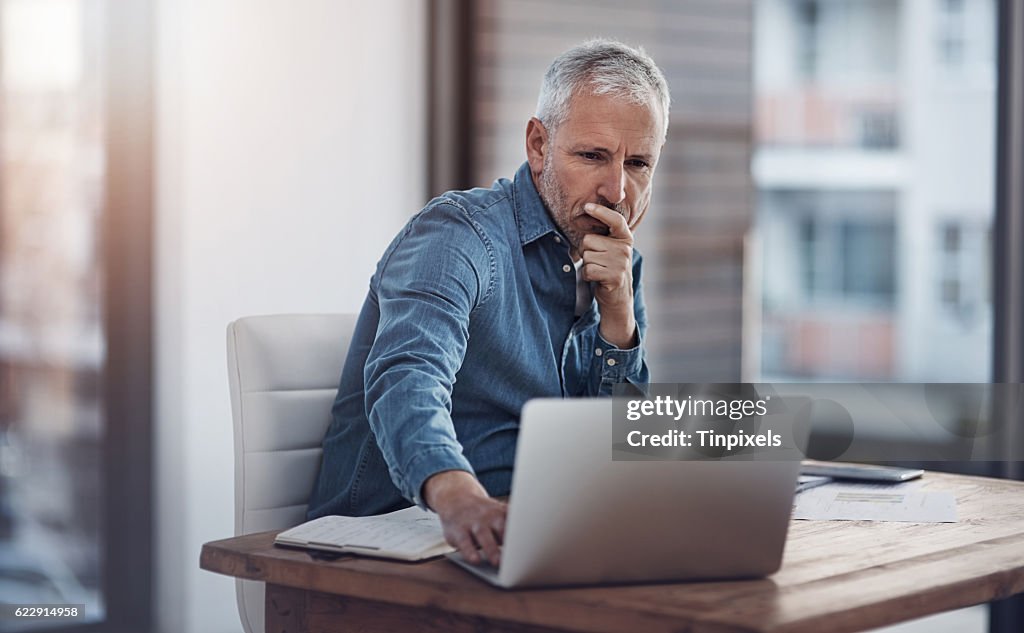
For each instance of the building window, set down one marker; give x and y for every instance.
(807, 47)
(964, 36)
(848, 260)
(964, 286)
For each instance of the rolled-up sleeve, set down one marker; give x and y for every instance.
(429, 284)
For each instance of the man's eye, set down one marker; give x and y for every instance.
(642, 164)
(590, 155)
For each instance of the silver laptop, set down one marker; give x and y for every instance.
(576, 517)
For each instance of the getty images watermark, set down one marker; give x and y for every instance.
(831, 421)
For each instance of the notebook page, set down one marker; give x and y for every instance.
(409, 531)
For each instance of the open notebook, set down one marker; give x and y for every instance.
(410, 534)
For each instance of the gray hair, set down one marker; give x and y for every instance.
(602, 67)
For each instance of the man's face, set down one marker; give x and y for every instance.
(605, 152)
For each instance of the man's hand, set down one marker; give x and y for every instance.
(608, 260)
(471, 519)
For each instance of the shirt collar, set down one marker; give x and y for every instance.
(532, 216)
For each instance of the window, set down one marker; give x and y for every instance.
(950, 31)
(964, 280)
(847, 260)
(51, 335)
(74, 310)
(808, 37)
(873, 225)
(965, 36)
(819, 83)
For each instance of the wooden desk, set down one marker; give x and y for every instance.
(836, 576)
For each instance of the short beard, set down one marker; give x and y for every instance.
(556, 200)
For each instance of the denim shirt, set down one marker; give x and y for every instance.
(470, 313)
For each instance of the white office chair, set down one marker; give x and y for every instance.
(283, 371)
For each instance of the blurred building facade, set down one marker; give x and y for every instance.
(874, 167)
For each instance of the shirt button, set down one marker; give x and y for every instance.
(598, 351)
(566, 268)
(611, 362)
(558, 240)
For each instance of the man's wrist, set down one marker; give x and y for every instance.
(619, 331)
(441, 489)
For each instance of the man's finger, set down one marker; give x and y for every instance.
(617, 226)
(462, 541)
(609, 254)
(594, 242)
(498, 528)
(484, 537)
(595, 272)
(605, 276)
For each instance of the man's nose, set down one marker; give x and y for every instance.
(613, 185)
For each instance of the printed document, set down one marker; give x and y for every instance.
(875, 502)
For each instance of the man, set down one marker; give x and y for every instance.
(490, 297)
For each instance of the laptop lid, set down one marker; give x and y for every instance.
(577, 517)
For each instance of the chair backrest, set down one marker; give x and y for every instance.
(283, 371)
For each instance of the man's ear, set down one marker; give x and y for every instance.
(536, 144)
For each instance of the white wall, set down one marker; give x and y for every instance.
(290, 144)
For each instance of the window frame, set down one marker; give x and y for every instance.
(128, 318)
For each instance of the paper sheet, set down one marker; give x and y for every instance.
(875, 502)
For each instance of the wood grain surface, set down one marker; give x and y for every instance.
(836, 576)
